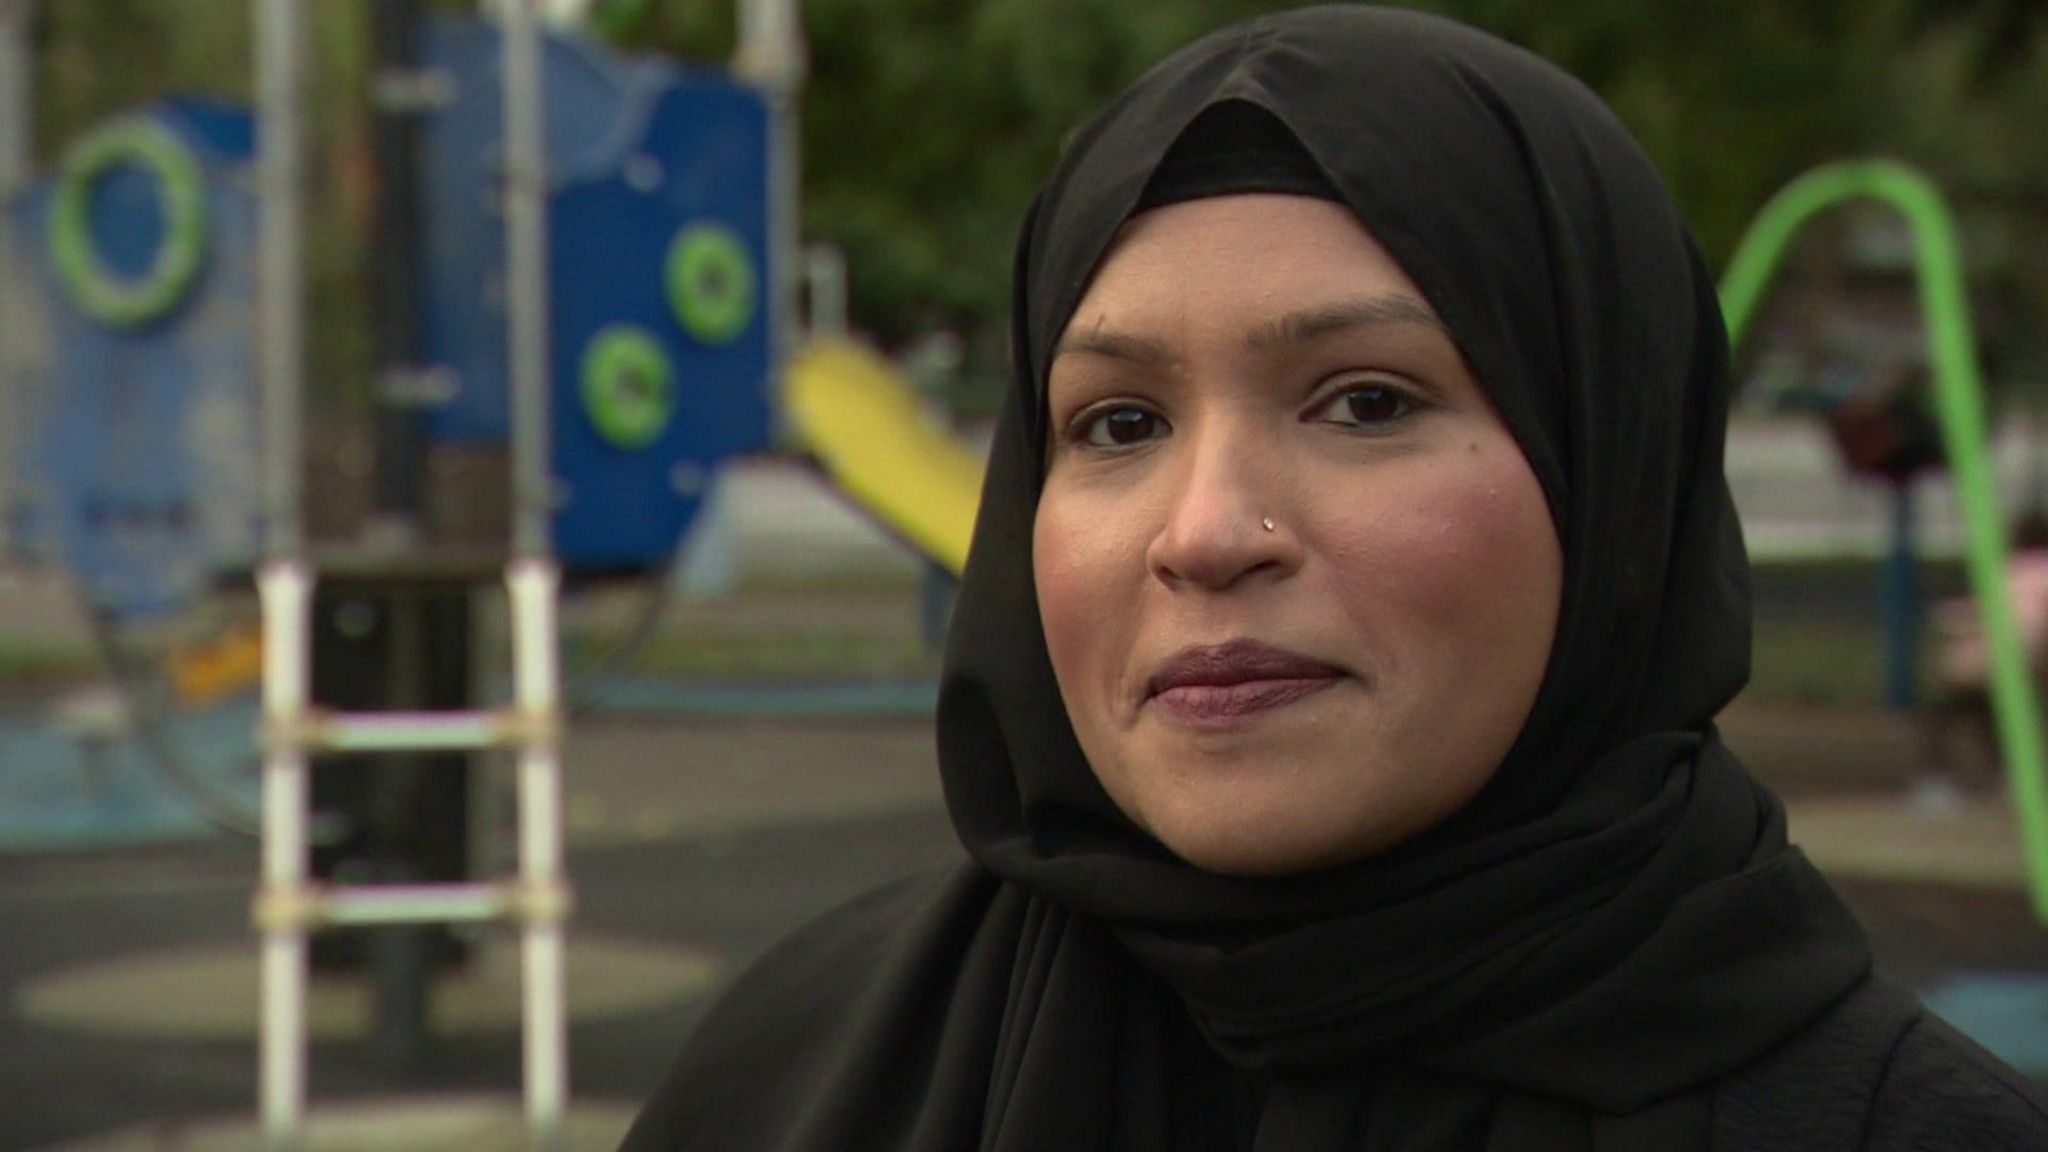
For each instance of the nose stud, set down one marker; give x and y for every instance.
(1266, 523)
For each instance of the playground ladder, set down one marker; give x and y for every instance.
(289, 906)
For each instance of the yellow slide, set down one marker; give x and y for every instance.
(851, 409)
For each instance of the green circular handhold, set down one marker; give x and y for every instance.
(711, 283)
(100, 292)
(629, 387)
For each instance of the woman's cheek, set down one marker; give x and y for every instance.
(1075, 592)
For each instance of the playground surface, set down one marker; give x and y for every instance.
(129, 996)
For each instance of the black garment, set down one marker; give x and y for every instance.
(1592, 954)
(890, 984)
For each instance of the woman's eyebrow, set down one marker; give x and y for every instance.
(1301, 327)
(1115, 345)
(1293, 328)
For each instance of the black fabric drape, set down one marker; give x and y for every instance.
(1570, 962)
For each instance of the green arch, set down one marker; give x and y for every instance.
(1959, 400)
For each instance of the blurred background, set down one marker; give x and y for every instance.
(779, 247)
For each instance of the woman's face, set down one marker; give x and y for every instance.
(1275, 699)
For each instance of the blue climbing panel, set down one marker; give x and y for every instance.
(132, 453)
(658, 250)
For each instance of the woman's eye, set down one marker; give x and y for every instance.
(1120, 427)
(1367, 405)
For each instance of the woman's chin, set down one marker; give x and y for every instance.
(1257, 845)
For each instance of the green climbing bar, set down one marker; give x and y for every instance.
(1959, 396)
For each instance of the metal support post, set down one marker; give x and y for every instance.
(400, 971)
(286, 590)
(17, 95)
(17, 123)
(389, 793)
(1902, 609)
(771, 54)
(825, 284)
(531, 584)
(531, 579)
(526, 259)
(280, 295)
(398, 264)
(402, 805)
(284, 584)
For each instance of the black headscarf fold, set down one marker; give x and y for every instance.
(1572, 960)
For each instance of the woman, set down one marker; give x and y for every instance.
(1329, 704)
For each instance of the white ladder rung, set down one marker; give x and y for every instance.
(415, 904)
(332, 906)
(324, 731)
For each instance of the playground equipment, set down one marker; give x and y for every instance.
(133, 414)
(669, 205)
(1960, 405)
(134, 399)
(130, 419)
(130, 390)
(287, 907)
(856, 415)
(659, 327)
(655, 312)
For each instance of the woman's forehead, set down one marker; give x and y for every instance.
(1279, 254)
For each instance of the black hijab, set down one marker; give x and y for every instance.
(1572, 961)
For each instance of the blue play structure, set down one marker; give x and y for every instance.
(659, 280)
(134, 420)
(132, 424)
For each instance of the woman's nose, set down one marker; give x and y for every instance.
(1222, 520)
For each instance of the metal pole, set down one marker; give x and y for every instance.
(17, 124)
(287, 587)
(398, 263)
(825, 277)
(531, 590)
(280, 299)
(1901, 585)
(526, 251)
(398, 953)
(771, 55)
(280, 34)
(532, 574)
(17, 93)
(17, 98)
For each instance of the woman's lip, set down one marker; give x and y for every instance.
(1224, 705)
(1237, 662)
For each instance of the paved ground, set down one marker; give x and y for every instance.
(724, 894)
(707, 840)
(698, 842)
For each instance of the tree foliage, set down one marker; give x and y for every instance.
(928, 123)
